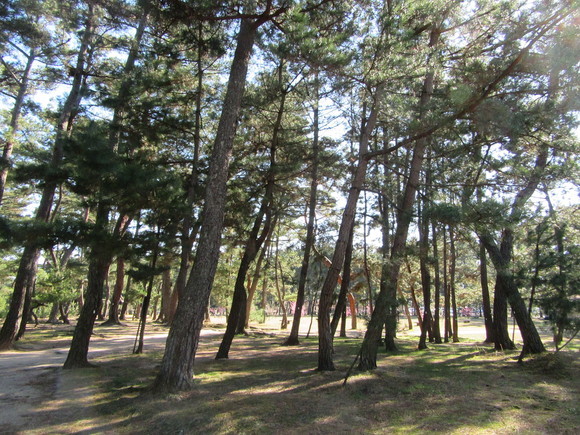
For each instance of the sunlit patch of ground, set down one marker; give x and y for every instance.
(461, 388)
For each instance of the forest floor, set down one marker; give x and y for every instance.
(265, 388)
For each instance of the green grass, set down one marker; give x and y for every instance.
(265, 388)
(268, 388)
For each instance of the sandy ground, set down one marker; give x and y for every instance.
(34, 387)
(36, 393)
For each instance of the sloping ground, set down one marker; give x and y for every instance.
(268, 388)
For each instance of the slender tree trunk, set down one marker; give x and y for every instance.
(486, 303)
(26, 274)
(384, 287)
(368, 351)
(15, 121)
(147, 299)
(447, 299)
(280, 289)
(437, 283)
(416, 306)
(452, 284)
(189, 230)
(344, 285)
(310, 235)
(366, 268)
(425, 281)
(237, 316)
(165, 294)
(406, 309)
(27, 309)
(343, 323)
(176, 370)
(253, 283)
(325, 338)
(117, 293)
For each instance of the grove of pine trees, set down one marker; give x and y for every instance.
(172, 158)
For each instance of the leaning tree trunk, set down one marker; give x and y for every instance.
(237, 316)
(325, 338)
(176, 371)
(344, 285)
(100, 259)
(101, 256)
(369, 347)
(15, 120)
(189, 228)
(26, 274)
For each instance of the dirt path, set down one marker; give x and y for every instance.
(36, 392)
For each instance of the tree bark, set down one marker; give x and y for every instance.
(176, 371)
(369, 347)
(117, 294)
(425, 281)
(437, 284)
(26, 274)
(344, 285)
(15, 121)
(325, 338)
(485, 300)
(237, 316)
(452, 284)
(310, 235)
(447, 298)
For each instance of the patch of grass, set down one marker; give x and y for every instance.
(265, 388)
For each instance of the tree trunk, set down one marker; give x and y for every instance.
(447, 299)
(147, 300)
(406, 309)
(369, 347)
(280, 289)
(237, 316)
(253, 283)
(176, 370)
(367, 271)
(189, 230)
(100, 259)
(487, 317)
(437, 283)
(502, 340)
(425, 281)
(414, 296)
(310, 235)
(453, 262)
(165, 295)
(53, 316)
(15, 121)
(117, 294)
(344, 285)
(26, 274)
(26, 312)
(325, 338)
(506, 286)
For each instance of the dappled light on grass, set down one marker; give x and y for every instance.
(268, 388)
